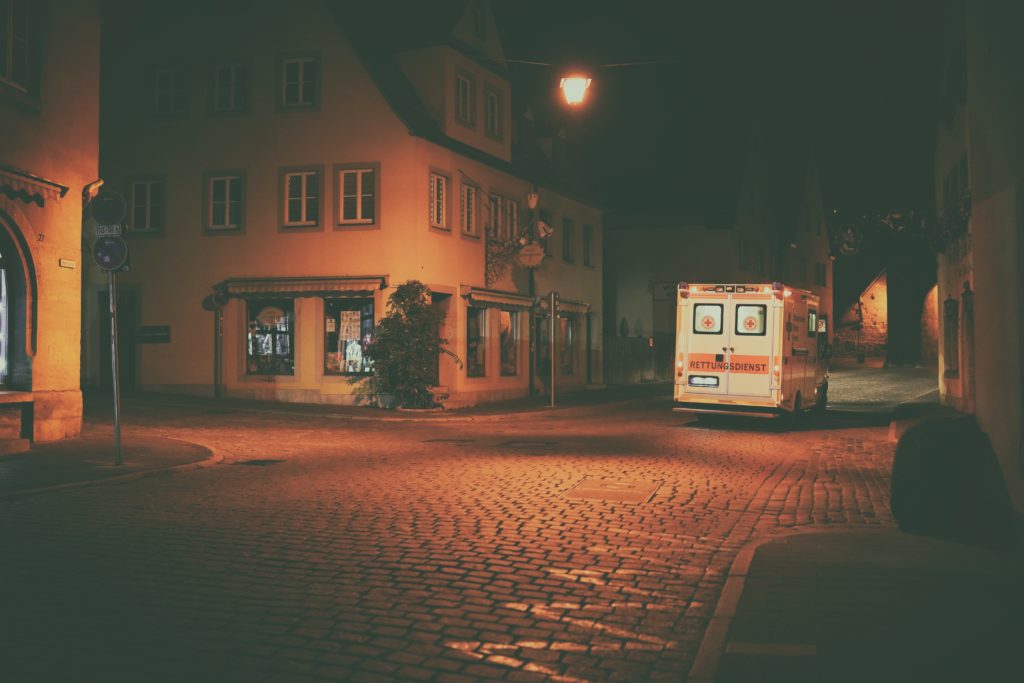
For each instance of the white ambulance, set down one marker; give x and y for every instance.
(751, 349)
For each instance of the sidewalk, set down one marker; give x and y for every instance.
(875, 605)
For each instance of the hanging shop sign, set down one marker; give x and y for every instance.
(531, 255)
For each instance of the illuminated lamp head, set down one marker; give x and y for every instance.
(574, 88)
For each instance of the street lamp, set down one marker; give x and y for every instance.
(574, 88)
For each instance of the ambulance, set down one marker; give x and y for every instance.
(749, 349)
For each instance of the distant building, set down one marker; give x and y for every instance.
(49, 126)
(979, 189)
(285, 169)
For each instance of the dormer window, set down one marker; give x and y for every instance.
(465, 98)
(492, 113)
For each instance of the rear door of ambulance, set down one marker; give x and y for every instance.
(704, 333)
(750, 345)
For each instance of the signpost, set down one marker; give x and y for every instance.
(553, 309)
(110, 253)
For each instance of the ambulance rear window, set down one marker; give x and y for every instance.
(750, 319)
(707, 319)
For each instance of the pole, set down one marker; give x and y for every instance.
(532, 343)
(113, 367)
(552, 308)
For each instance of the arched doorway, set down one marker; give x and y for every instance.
(17, 307)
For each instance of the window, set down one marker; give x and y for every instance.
(568, 240)
(438, 201)
(511, 219)
(494, 216)
(812, 323)
(951, 337)
(508, 330)
(468, 210)
(476, 321)
(567, 337)
(492, 113)
(300, 82)
(750, 319)
(465, 97)
(301, 198)
(170, 92)
(224, 201)
(820, 274)
(707, 319)
(230, 88)
(17, 46)
(588, 240)
(348, 328)
(357, 195)
(147, 207)
(544, 230)
(269, 347)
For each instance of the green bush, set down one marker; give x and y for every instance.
(405, 346)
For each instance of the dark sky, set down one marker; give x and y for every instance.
(857, 77)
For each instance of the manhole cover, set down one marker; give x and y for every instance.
(457, 442)
(616, 490)
(264, 462)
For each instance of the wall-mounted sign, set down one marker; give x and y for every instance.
(67, 263)
(107, 230)
(154, 334)
(531, 256)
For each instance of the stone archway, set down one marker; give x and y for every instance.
(19, 306)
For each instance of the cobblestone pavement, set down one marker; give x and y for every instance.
(326, 548)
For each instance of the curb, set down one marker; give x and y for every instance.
(214, 458)
(712, 644)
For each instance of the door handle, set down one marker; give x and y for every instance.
(724, 349)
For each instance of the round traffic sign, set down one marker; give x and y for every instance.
(108, 208)
(110, 252)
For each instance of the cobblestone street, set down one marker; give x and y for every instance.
(330, 548)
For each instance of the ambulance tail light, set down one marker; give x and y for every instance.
(684, 290)
(777, 290)
(787, 293)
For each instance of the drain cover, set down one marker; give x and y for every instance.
(259, 462)
(616, 490)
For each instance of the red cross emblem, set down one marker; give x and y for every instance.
(708, 322)
(750, 323)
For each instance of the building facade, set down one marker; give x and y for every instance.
(49, 125)
(979, 188)
(284, 179)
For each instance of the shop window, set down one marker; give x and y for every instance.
(750, 319)
(951, 337)
(348, 329)
(543, 342)
(707, 319)
(476, 321)
(509, 336)
(269, 346)
(567, 344)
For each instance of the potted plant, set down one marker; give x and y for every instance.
(405, 347)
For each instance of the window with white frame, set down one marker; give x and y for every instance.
(567, 350)
(492, 113)
(468, 210)
(147, 206)
(170, 91)
(465, 97)
(511, 219)
(230, 88)
(438, 200)
(301, 201)
(224, 202)
(494, 216)
(357, 189)
(16, 43)
(300, 81)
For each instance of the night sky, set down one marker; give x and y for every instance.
(859, 78)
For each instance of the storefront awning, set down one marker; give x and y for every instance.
(491, 297)
(27, 187)
(364, 285)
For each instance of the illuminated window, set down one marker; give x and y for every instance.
(225, 201)
(438, 201)
(269, 337)
(588, 240)
(568, 240)
(348, 329)
(812, 322)
(567, 341)
(301, 200)
(357, 195)
(492, 113)
(147, 206)
(707, 319)
(468, 210)
(300, 82)
(16, 43)
(465, 98)
(170, 96)
(511, 219)
(230, 88)
(508, 331)
(494, 216)
(476, 337)
(750, 319)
